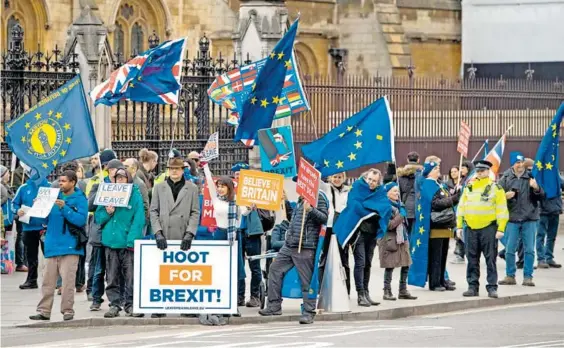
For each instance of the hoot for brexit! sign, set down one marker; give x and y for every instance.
(202, 280)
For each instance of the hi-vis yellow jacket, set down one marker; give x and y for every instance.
(479, 209)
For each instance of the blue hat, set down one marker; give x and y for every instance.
(390, 185)
(428, 167)
(516, 156)
(238, 166)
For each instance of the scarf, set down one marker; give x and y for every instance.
(401, 236)
(231, 219)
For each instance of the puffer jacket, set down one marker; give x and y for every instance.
(312, 225)
(406, 182)
(525, 206)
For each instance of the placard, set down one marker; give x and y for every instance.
(308, 182)
(202, 280)
(277, 151)
(43, 203)
(116, 195)
(262, 189)
(207, 218)
(463, 139)
(211, 150)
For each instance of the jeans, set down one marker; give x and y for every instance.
(546, 236)
(363, 254)
(32, 240)
(21, 259)
(251, 246)
(119, 263)
(526, 231)
(98, 262)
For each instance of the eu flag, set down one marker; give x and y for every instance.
(58, 129)
(545, 170)
(260, 106)
(365, 138)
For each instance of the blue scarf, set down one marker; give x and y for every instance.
(399, 205)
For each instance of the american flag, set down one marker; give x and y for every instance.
(153, 77)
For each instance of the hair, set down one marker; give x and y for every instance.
(71, 175)
(344, 174)
(135, 162)
(433, 159)
(450, 170)
(412, 157)
(72, 165)
(193, 167)
(227, 181)
(373, 171)
(146, 156)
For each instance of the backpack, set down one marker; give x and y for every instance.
(78, 232)
(267, 219)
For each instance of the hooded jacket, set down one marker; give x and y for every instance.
(25, 196)
(406, 181)
(58, 239)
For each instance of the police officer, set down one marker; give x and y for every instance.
(483, 210)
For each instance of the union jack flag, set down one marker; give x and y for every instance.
(494, 157)
(153, 77)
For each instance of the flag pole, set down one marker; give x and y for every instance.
(302, 229)
(477, 153)
(460, 166)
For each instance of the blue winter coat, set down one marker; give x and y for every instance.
(58, 240)
(25, 196)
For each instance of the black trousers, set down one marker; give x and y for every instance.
(119, 268)
(344, 253)
(438, 251)
(363, 253)
(481, 241)
(32, 240)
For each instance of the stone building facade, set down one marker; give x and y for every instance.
(381, 37)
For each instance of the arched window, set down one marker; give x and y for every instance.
(137, 39)
(119, 43)
(12, 21)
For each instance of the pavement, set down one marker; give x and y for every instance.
(524, 325)
(18, 304)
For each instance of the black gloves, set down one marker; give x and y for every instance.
(186, 243)
(161, 240)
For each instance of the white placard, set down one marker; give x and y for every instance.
(211, 150)
(116, 195)
(25, 219)
(43, 203)
(202, 280)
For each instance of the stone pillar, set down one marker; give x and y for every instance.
(261, 24)
(87, 38)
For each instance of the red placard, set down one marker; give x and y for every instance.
(463, 139)
(308, 182)
(207, 217)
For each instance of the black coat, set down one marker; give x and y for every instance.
(312, 225)
(524, 206)
(553, 206)
(443, 200)
(406, 182)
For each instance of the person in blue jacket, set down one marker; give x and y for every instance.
(31, 232)
(64, 244)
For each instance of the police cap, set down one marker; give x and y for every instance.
(482, 164)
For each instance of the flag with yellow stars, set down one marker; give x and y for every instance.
(419, 242)
(364, 138)
(262, 104)
(58, 129)
(546, 169)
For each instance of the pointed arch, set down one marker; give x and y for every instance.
(158, 7)
(307, 62)
(34, 17)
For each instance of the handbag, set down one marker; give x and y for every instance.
(390, 242)
(443, 217)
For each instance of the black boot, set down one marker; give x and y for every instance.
(372, 302)
(388, 295)
(362, 300)
(405, 295)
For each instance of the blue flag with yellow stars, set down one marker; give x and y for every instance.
(365, 138)
(421, 232)
(260, 106)
(545, 170)
(58, 129)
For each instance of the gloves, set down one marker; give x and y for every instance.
(161, 240)
(186, 243)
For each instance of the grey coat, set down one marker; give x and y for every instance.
(174, 218)
(94, 229)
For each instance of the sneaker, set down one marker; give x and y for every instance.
(253, 302)
(449, 282)
(112, 313)
(542, 265)
(269, 312)
(458, 260)
(241, 302)
(553, 264)
(28, 285)
(307, 318)
(67, 317)
(492, 294)
(21, 269)
(80, 288)
(157, 315)
(89, 297)
(95, 307)
(39, 316)
(470, 293)
(508, 281)
(528, 282)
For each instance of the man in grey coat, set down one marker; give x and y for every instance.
(175, 209)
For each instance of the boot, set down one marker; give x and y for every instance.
(405, 295)
(528, 282)
(372, 302)
(388, 295)
(362, 300)
(508, 281)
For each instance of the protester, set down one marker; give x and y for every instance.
(105, 157)
(65, 230)
(483, 210)
(173, 153)
(132, 166)
(6, 196)
(465, 170)
(289, 256)
(523, 200)
(95, 166)
(548, 229)
(393, 246)
(406, 182)
(32, 231)
(148, 160)
(121, 227)
(337, 193)
(452, 182)
(175, 219)
(10, 218)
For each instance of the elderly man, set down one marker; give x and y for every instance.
(132, 166)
